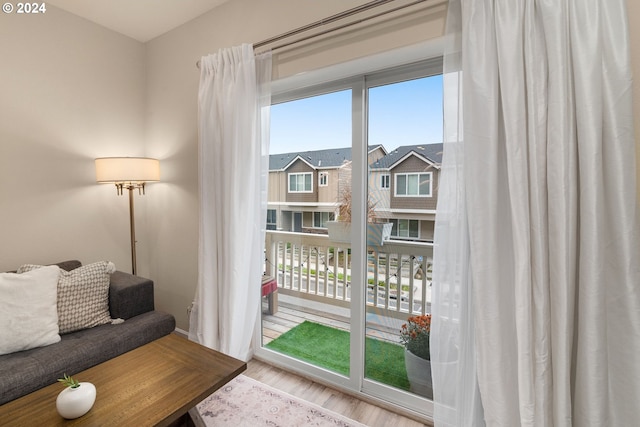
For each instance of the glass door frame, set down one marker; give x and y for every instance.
(317, 373)
(357, 382)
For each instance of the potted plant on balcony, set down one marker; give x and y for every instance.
(340, 230)
(414, 335)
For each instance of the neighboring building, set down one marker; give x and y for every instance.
(305, 188)
(404, 188)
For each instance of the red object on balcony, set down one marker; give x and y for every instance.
(269, 290)
(269, 284)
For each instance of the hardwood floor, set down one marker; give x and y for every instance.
(349, 406)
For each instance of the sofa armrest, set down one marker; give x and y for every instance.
(129, 295)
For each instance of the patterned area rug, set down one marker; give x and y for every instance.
(245, 402)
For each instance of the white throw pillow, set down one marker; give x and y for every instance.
(83, 295)
(28, 312)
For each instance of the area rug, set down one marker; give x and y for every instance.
(245, 402)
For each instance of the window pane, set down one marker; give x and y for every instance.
(412, 185)
(320, 219)
(307, 128)
(394, 230)
(307, 182)
(403, 224)
(425, 184)
(414, 228)
(401, 185)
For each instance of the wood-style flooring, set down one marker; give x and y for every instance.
(349, 406)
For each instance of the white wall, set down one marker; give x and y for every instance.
(70, 91)
(172, 90)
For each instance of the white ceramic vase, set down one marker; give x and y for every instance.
(75, 402)
(419, 374)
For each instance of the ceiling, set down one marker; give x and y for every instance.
(142, 20)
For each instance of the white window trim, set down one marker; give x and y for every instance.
(396, 236)
(388, 179)
(324, 175)
(425, 50)
(299, 173)
(395, 187)
(313, 224)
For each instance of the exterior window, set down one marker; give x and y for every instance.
(323, 179)
(300, 182)
(413, 184)
(409, 228)
(384, 181)
(271, 219)
(320, 219)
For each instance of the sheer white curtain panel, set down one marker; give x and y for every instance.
(457, 400)
(233, 142)
(546, 161)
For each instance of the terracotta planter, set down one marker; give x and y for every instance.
(419, 374)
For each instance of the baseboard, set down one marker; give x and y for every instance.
(181, 332)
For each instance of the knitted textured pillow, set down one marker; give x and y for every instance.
(83, 295)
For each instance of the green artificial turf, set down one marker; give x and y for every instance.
(329, 348)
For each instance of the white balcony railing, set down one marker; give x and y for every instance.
(311, 266)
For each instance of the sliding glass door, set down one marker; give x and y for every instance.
(309, 178)
(353, 176)
(404, 116)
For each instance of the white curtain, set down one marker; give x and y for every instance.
(456, 395)
(541, 284)
(233, 124)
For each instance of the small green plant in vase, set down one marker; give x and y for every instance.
(69, 381)
(76, 399)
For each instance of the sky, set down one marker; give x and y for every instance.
(406, 113)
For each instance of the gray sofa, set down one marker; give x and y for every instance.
(130, 298)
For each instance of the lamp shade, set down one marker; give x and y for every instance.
(127, 169)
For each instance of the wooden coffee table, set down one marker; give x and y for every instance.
(153, 385)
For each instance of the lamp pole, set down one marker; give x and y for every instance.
(129, 173)
(132, 225)
(120, 186)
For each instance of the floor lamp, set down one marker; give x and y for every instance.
(128, 173)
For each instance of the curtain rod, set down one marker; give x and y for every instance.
(330, 19)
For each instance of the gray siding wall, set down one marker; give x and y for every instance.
(427, 230)
(412, 165)
(301, 167)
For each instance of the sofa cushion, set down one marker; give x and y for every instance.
(28, 313)
(83, 295)
(24, 372)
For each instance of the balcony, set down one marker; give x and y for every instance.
(314, 283)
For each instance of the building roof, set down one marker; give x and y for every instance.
(318, 159)
(429, 152)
